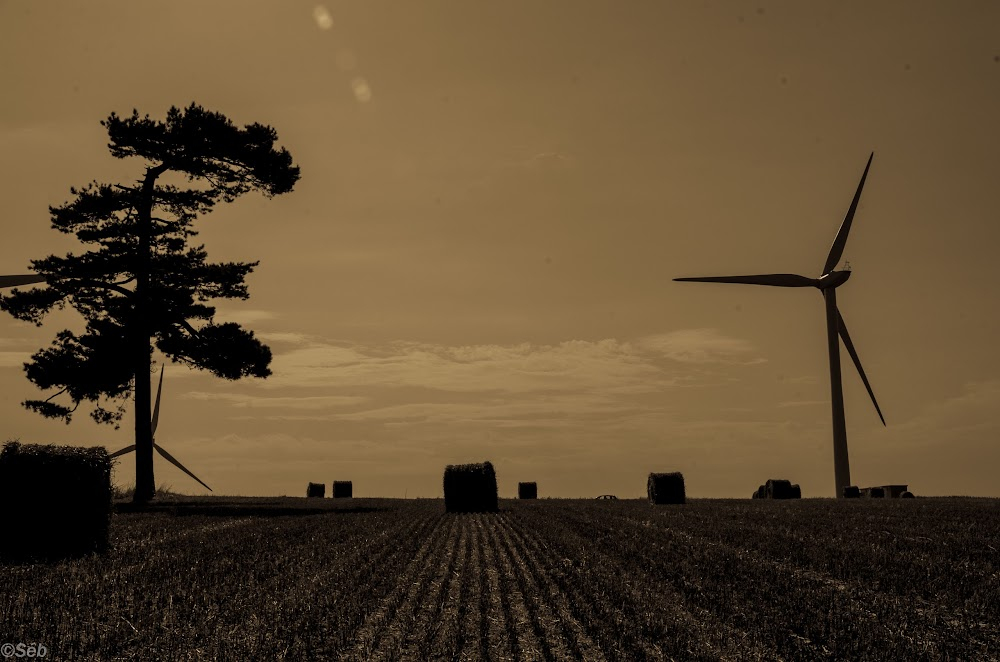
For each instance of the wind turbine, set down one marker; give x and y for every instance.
(170, 458)
(30, 279)
(15, 281)
(827, 284)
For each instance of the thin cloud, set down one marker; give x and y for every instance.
(574, 365)
(243, 316)
(700, 346)
(254, 402)
(14, 359)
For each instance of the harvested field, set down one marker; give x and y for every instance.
(297, 578)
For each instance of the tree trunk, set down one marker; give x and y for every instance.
(145, 485)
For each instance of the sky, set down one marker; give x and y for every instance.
(477, 261)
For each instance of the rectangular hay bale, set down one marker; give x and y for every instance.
(662, 488)
(343, 489)
(39, 522)
(851, 492)
(316, 490)
(527, 490)
(470, 488)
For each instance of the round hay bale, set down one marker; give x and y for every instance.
(851, 492)
(316, 490)
(662, 488)
(906, 495)
(527, 490)
(470, 488)
(55, 501)
(343, 489)
(778, 488)
(796, 492)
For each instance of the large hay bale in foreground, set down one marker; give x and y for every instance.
(55, 501)
(316, 490)
(470, 488)
(665, 488)
(851, 492)
(527, 490)
(343, 489)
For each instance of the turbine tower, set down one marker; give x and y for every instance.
(827, 284)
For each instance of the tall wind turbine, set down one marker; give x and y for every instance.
(827, 284)
(156, 417)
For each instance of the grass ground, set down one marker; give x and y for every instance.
(296, 578)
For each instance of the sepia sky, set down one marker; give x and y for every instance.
(477, 261)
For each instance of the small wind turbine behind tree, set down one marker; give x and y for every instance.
(827, 284)
(156, 417)
(142, 231)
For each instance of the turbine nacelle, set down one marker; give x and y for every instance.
(833, 279)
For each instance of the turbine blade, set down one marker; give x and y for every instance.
(837, 250)
(27, 279)
(170, 458)
(775, 280)
(857, 362)
(156, 408)
(127, 449)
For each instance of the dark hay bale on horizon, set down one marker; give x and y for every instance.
(317, 490)
(38, 522)
(906, 495)
(851, 492)
(893, 491)
(343, 489)
(778, 488)
(873, 493)
(796, 492)
(527, 490)
(761, 492)
(665, 488)
(470, 488)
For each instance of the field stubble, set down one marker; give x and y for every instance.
(549, 579)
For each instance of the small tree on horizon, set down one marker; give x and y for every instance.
(144, 284)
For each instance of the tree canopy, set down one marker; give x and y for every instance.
(143, 284)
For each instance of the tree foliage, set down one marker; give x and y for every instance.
(143, 281)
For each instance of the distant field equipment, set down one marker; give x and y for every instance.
(470, 488)
(343, 489)
(316, 490)
(55, 501)
(879, 492)
(665, 488)
(527, 490)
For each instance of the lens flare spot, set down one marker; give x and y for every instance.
(362, 90)
(322, 17)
